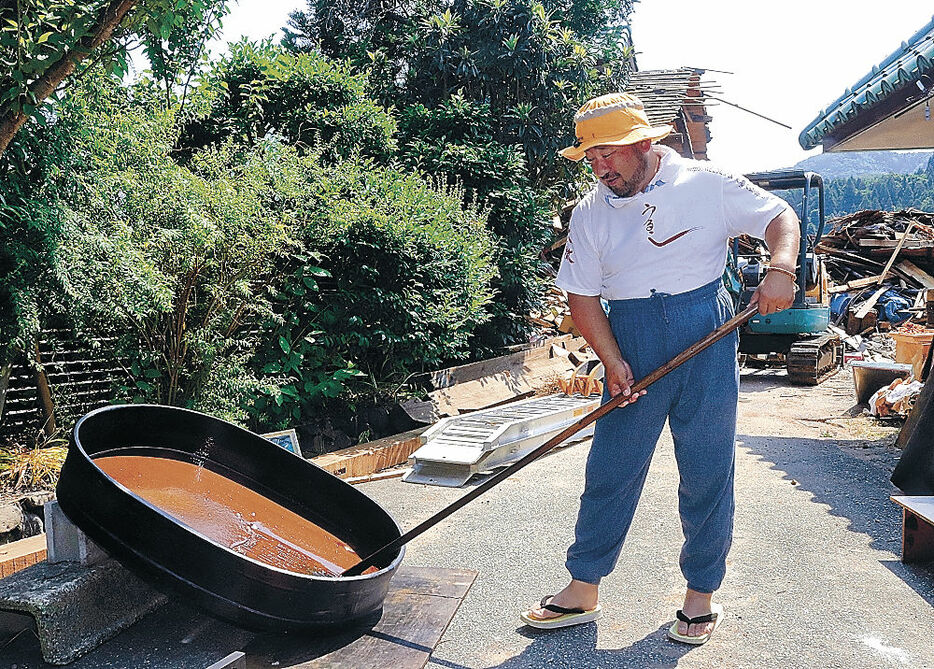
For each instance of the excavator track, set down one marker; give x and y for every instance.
(812, 361)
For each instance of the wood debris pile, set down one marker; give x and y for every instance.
(883, 264)
(896, 398)
(555, 313)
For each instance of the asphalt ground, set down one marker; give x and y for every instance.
(814, 577)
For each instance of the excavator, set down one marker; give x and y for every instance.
(797, 336)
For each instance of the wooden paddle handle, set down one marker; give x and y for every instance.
(567, 432)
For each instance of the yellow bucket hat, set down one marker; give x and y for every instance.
(616, 119)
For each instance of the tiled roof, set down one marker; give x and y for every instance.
(912, 64)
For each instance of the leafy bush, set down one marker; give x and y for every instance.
(484, 91)
(456, 141)
(261, 89)
(172, 261)
(249, 280)
(393, 279)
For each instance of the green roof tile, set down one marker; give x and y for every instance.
(904, 67)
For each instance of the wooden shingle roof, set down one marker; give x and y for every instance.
(677, 98)
(664, 92)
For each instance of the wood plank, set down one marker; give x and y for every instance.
(398, 472)
(417, 610)
(916, 273)
(855, 283)
(893, 243)
(18, 555)
(366, 459)
(505, 385)
(850, 258)
(438, 581)
(869, 304)
(898, 248)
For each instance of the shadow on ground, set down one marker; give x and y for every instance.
(755, 380)
(853, 488)
(576, 647)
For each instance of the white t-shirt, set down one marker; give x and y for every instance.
(672, 237)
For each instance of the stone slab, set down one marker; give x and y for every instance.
(77, 607)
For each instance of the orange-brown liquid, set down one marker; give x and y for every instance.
(232, 515)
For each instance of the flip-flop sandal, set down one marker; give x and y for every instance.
(715, 616)
(567, 618)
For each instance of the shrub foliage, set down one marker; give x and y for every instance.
(393, 278)
(307, 100)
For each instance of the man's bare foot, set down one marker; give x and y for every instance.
(696, 604)
(577, 595)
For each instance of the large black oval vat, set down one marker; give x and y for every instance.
(223, 582)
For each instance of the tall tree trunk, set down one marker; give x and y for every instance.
(45, 85)
(45, 395)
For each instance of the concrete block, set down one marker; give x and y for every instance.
(66, 543)
(75, 607)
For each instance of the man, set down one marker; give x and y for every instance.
(651, 238)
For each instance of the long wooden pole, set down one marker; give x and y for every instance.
(898, 248)
(593, 416)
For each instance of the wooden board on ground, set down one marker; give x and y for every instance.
(420, 604)
(485, 384)
(18, 555)
(445, 378)
(366, 459)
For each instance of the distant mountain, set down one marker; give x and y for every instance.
(864, 163)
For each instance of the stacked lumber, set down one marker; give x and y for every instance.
(882, 265)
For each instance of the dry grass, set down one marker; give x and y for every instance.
(31, 467)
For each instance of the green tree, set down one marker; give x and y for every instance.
(173, 262)
(456, 141)
(484, 90)
(176, 48)
(42, 43)
(306, 99)
(528, 66)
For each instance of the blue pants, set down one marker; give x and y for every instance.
(699, 401)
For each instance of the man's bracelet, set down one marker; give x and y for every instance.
(782, 270)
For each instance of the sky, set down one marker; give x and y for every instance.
(787, 59)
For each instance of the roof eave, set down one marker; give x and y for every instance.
(866, 118)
